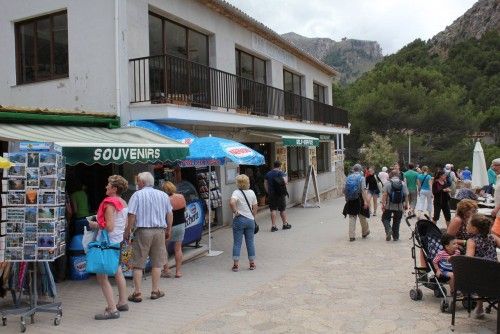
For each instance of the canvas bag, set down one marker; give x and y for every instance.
(103, 257)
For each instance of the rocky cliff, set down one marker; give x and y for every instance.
(484, 16)
(350, 57)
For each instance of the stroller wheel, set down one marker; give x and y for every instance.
(416, 294)
(444, 306)
(438, 294)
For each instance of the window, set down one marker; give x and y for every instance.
(296, 158)
(168, 37)
(322, 157)
(42, 48)
(319, 93)
(291, 82)
(250, 67)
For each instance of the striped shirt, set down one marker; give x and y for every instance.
(442, 259)
(150, 207)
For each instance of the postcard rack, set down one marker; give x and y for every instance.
(33, 225)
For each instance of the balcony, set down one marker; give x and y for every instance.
(169, 79)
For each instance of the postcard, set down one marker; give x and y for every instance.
(45, 254)
(15, 171)
(13, 254)
(31, 196)
(46, 227)
(47, 198)
(48, 158)
(46, 213)
(15, 185)
(61, 185)
(48, 183)
(30, 252)
(13, 214)
(31, 214)
(32, 177)
(61, 212)
(13, 199)
(48, 170)
(33, 159)
(46, 241)
(14, 240)
(14, 227)
(16, 158)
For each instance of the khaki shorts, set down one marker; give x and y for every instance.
(149, 242)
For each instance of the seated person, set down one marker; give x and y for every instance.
(442, 263)
(466, 192)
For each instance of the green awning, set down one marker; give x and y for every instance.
(289, 138)
(91, 145)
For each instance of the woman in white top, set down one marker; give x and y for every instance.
(112, 216)
(243, 221)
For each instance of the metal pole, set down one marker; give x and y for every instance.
(409, 147)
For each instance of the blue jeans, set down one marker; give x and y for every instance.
(243, 226)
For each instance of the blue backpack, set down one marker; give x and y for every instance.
(397, 194)
(353, 186)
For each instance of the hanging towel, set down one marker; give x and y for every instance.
(115, 201)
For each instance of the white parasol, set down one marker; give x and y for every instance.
(479, 170)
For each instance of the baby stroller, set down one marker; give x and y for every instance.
(427, 238)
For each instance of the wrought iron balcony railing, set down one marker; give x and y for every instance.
(169, 79)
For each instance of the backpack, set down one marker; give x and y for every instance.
(353, 186)
(279, 186)
(449, 180)
(396, 195)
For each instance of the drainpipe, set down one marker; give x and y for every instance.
(117, 58)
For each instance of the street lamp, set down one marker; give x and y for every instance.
(410, 132)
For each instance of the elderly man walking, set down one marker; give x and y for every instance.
(357, 202)
(150, 212)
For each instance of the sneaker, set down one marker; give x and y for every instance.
(287, 226)
(395, 239)
(388, 237)
(365, 235)
(274, 229)
(352, 239)
(107, 315)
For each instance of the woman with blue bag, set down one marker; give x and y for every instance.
(103, 256)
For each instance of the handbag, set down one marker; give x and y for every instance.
(103, 257)
(256, 230)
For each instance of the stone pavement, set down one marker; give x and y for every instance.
(309, 279)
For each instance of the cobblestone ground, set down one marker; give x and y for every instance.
(309, 279)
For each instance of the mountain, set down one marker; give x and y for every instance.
(350, 57)
(484, 16)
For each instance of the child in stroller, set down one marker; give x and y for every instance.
(441, 262)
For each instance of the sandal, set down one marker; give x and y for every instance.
(122, 308)
(135, 297)
(157, 294)
(165, 274)
(107, 315)
(179, 275)
(235, 268)
(252, 266)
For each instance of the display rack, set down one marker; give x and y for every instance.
(204, 187)
(33, 225)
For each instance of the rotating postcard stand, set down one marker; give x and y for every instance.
(33, 221)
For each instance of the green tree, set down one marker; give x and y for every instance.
(379, 152)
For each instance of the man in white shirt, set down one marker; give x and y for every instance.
(150, 212)
(383, 176)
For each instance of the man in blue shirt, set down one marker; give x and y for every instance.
(277, 195)
(466, 174)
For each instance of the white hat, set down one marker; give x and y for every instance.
(448, 166)
(384, 169)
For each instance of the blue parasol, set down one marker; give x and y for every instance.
(165, 130)
(214, 151)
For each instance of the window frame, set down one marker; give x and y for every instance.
(324, 157)
(299, 151)
(186, 42)
(294, 76)
(18, 52)
(238, 65)
(320, 88)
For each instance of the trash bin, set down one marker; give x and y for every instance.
(77, 259)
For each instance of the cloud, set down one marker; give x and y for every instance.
(392, 23)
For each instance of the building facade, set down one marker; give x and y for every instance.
(200, 65)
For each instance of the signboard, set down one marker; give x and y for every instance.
(300, 141)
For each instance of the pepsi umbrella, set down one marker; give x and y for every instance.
(214, 151)
(165, 130)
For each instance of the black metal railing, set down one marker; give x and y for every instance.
(170, 79)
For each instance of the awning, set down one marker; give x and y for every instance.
(289, 138)
(90, 145)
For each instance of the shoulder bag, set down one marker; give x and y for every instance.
(103, 257)
(256, 225)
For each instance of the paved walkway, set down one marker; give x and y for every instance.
(309, 279)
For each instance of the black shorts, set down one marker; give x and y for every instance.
(277, 203)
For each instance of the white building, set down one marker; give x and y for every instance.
(200, 65)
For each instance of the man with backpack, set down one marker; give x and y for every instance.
(410, 177)
(357, 202)
(394, 202)
(275, 183)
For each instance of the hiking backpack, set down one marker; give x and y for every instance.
(279, 186)
(353, 186)
(397, 194)
(449, 180)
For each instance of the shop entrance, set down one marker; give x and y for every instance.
(256, 173)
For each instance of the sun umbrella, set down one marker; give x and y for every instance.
(4, 163)
(214, 151)
(165, 130)
(479, 170)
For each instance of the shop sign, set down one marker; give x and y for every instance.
(118, 155)
(239, 151)
(325, 137)
(300, 142)
(194, 214)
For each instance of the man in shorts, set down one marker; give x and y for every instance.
(277, 196)
(150, 212)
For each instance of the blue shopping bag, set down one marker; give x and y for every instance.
(103, 257)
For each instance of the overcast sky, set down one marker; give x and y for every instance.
(392, 23)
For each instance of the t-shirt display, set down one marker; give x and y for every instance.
(33, 224)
